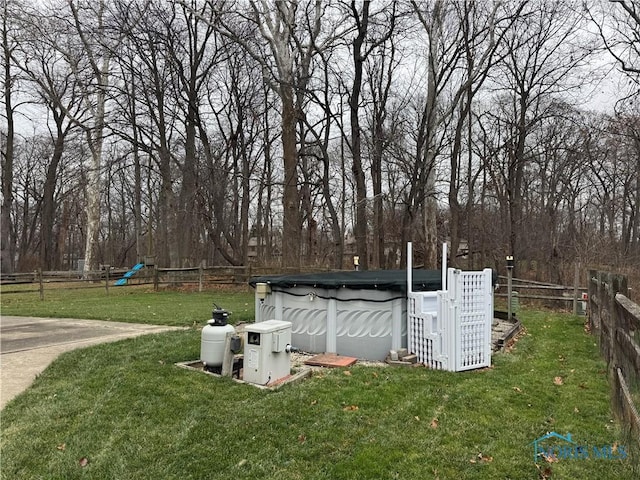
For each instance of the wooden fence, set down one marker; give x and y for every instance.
(552, 295)
(615, 319)
(192, 277)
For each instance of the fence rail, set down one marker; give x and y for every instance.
(549, 294)
(195, 277)
(615, 319)
(533, 290)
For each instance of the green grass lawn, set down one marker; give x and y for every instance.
(138, 304)
(125, 411)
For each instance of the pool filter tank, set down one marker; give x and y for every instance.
(213, 339)
(267, 351)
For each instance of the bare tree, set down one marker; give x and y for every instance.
(7, 140)
(233, 151)
(447, 48)
(277, 27)
(621, 39)
(544, 52)
(26, 205)
(618, 23)
(320, 142)
(149, 101)
(88, 24)
(56, 86)
(362, 45)
(382, 71)
(193, 56)
(291, 42)
(481, 29)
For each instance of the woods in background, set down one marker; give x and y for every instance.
(302, 133)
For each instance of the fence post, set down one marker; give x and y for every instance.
(609, 311)
(155, 278)
(200, 277)
(41, 283)
(106, 285)
(509, 286)
(594, 307)
(576, 282)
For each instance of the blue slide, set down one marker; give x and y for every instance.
(129, 274)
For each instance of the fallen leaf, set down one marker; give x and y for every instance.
(417, 418)
(302, 438)
(241, 462)
(350, 408)
(83, 462)
(517, 389)
(313, 402)
(575, 410)
(558, 380)
(485, 458)
(375, 374)
(434, 423)
(545, 473)
(62, 447)
(549, 458)
(614, 447)
(347, 372)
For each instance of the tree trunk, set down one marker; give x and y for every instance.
(186, 217)
(6, 245)
(454, 203)
(378, 200)
(360, 228)
(47, 216)
(95, 139)
(430, 206)
(291, 232)
(430, 216)
(516, 180)
(137, 205)
(93, 212)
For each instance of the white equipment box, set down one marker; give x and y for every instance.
(266, 351)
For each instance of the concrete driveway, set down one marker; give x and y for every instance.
(28, 345)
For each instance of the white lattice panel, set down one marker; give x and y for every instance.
(473, 302)
(451, 329)
(425, 329)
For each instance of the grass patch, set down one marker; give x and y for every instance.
(131, 413)
(136, 304)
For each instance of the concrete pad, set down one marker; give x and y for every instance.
(28, 345)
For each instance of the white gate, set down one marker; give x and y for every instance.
(471, 301)
(451, 329)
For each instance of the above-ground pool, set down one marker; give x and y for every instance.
(361, 314)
